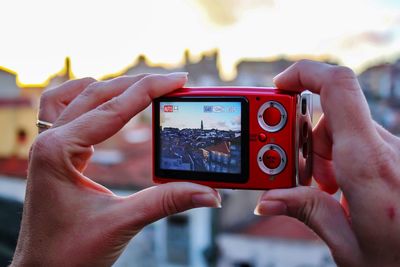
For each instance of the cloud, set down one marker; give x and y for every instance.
(215, 124)
(224, 13)
(370, 37)
(236, 120)
(222, 125)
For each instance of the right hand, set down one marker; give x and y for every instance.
(353, 153)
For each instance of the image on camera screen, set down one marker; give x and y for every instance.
(200, 136)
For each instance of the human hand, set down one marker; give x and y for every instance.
(355, 154)
(69, 219)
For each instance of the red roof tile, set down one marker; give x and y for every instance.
(15, 102)
(221, 148)
(13, 166)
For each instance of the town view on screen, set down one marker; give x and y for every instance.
(200, 136)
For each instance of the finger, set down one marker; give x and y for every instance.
(157, 202)
(342, 100)
(323, 171)
(53, 101)
(322, 140)
(96, 94)
(324, 174)
(345, 204)
(101, 123)
(320, 212)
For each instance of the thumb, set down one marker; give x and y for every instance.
(320, 212)
(154, 203)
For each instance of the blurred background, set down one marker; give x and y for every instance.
(219, 42)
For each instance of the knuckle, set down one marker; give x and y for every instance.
(384, 161)
(308, 208)
(168, 203)
(82, 82)
(88, 80)
(149, 81)
(142, 76)
(137, 77)
(45, 98)
(147, 86)
(343, 76)
(117, 79)
(113, 107)
(42, 148)
(92, 89)
(302, 63)
(343, 72)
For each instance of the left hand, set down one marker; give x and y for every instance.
(70, 220)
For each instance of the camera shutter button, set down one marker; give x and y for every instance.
(272, 159)
(262, 137)
(272, 116)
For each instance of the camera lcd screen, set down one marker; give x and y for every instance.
(199, 137)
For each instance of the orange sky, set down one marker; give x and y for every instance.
(104, 36)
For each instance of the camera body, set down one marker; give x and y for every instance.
(233, 137)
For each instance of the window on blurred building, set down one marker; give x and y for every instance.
(178, 240)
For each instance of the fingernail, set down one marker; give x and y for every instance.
(270, 207)
(178, 75)
(206, 200)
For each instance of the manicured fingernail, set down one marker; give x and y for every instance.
(178, 75)
(270, 207)
(206, 200)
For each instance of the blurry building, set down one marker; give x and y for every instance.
(381, 85)
(395, 85)
(141, 65)
(65, 74)
(259, 73)
(376, 81)
(18, 113)
(204, 72)
(17, 118)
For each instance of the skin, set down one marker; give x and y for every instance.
(354, 154)
(70, 220)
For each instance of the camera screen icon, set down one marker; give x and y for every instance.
(168, 108)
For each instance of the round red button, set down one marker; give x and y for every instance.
(262, 137)
(272, 159)
(272, 116)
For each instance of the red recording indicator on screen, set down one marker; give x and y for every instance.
(168, 108)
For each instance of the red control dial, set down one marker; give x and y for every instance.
(272, 159)
(272, 116)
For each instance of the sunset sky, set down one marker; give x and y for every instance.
(103, 37)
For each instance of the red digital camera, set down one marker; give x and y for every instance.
(233, 137)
